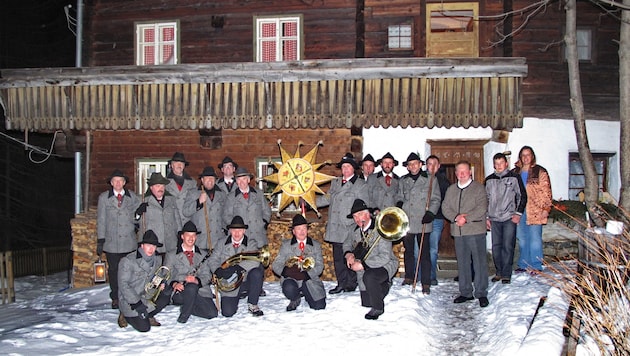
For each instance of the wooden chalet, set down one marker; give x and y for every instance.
(216, 78)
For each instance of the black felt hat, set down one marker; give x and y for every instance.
(358, 205)
(412, 157)
(348, 158)
(227, 159)
(387, 155)
(117, 173)
(157, 178)
(298, 219)
(208, 172)
(237, 223)
(179, 157)
(150, 237)
(189, 227)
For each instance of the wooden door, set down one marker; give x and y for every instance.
(451, 152)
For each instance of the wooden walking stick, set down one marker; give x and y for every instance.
(426, 208)
(205, 212)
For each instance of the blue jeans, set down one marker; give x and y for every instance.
(503, 241)
(434, 242)
(529, 244)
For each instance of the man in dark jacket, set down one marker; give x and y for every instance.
(507, 198)
(433, 167)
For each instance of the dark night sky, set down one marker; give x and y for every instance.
(36, 201)
(34, 33)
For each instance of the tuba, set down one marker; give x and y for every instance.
(391, 224)
(152, 288)
(235, 280)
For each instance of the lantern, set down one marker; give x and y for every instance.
(99, 271)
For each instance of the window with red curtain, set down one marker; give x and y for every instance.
(278, 39)
(156, 43)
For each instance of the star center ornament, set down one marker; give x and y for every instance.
(297, 177)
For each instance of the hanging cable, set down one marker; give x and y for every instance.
(31, 148)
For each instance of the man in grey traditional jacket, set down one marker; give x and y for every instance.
(371, 258)
(250, 204)
(249, 273)
(136, 271)
(115, 227)
(190, 278)
(158, 212)
(342, 193)
(419, 196)
(300, 263)
(204, 207)
(180, 183)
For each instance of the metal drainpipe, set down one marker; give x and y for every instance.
(77, 155)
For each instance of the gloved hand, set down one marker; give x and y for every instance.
(142, 209)
(428, 217)
(266, 224)
(295, 273)
(99, 246)
(141, 309)
(226, 273)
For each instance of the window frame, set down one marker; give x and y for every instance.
(433, 38)
(602, 180)
(139, 44)
(278, 20)
(411, 37)
(145, 167)
(591, 47)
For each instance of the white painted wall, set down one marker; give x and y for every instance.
(551, 139)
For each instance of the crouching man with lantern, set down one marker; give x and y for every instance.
(300, 263)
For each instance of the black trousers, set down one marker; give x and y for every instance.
(291, 290)
(143, 325)
(425, 257)
(113, 259)
(346, 277)
(377, 283)
(194, 304)
(252, 285)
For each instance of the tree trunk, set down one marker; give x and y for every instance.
(624, 106)
(591, 184)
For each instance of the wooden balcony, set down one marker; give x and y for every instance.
(409, 92)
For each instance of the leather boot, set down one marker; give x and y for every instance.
(154, 322)
(122, 322)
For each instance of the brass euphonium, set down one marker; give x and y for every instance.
(391, 224)
(235, 280)
(304, 264)
(152, 288)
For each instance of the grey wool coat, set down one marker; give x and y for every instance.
(339, 199)
(413, 194)
(213, 210)
(255, 211)
(381, 256)
(134, 272)
(165, 222)
(382, 196)
(116, 225)
(181, 195)
(180, 267)
(225, 250)
(312, 248)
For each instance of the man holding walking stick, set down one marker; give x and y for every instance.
(419, 197)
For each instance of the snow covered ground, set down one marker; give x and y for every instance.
(49, 319)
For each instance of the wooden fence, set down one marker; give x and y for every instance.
(41, 261)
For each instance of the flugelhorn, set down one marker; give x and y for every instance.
(391, 224)
(152, 288)
(234, 281)
(305, 264)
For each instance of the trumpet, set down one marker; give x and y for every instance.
(152, 288)
(305, 264)
(391, 224)
(235, 280)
